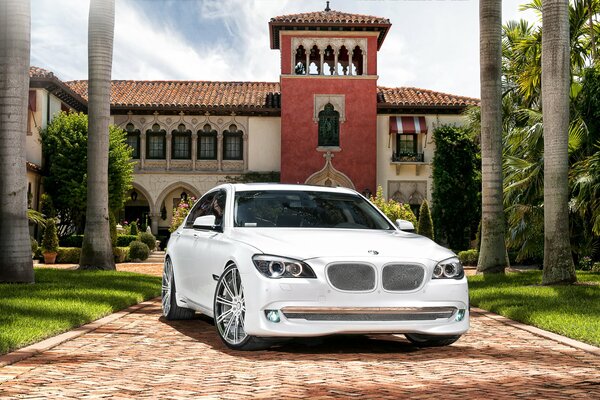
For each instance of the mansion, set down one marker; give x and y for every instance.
(326, 122)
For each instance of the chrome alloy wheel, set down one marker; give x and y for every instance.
(230, 307)
(167, 282)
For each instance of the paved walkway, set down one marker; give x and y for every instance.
(140, 355)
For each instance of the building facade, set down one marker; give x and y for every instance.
(326, 122)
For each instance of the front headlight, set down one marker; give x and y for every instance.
(449, 269)
(281, 267)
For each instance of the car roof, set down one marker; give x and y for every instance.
(244, 187)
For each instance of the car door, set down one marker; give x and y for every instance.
(186, 258)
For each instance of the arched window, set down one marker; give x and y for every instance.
(207, 143)
(329, 127)
(233, 144)
(357, 61)
(133, 140)
(300, 65)
(156, 143)
(181, 143)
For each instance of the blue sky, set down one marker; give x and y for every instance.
(433, 44)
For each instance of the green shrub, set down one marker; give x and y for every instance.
(125, 240)
(469, 257)
(71, 241)
(596, 267)
(133, 229)
(392, 209)
(149, 239)
(425, 227)
(585, 264)
(121, 254)
(34, 246)
(50, 240)
(138, 250)
(68, 255)
(47, 206)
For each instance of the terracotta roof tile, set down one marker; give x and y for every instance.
(329, 17)
(186, 93)
(409, 96)
(247, 95)
(37, 72)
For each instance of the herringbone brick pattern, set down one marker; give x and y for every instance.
(143, 356)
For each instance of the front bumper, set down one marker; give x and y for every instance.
(312, 307)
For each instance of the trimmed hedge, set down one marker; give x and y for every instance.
(71, 241)
(125, 240)
(148, 239)
(68, 255)
(469, 257)
(138, 250)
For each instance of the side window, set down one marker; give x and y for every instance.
(218, 207)
(202, 207)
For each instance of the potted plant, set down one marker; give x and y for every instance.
(50, 242)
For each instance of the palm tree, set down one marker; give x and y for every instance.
(556, 80)
(492, 254)
(15, 250)
(96, 250)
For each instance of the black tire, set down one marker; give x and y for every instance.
(171, 310)
(229, 311)
(420, 340)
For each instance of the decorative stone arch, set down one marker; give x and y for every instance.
(329, 176)
(338, 101)
(180, 184)
(139, 188)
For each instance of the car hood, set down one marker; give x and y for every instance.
(306, 243)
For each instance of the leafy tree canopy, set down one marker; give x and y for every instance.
(64, 146)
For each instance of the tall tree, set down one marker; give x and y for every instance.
(492, 253)
(15, 251)
(556, 79)
(96, 250)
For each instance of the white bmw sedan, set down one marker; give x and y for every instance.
(272, 260)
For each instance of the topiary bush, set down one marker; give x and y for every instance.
(121, 254)
(425, 227)
(149, 239)
(125, 240)
(34, 246)
(47, 206)
(50, 240)
(133, 229)
(138, 251)
(469, 257)
(68, 255)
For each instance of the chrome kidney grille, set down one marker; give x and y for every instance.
(352, 277)
(402, 277)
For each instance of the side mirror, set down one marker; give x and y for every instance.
(405, 226)
(205, 222)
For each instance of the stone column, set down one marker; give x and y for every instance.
(194, 149)
(307, 62)
(168, 150)
(335, 68)
(220, 151)
(321, 62)
(142, 149)
(245, 151)
(154, 218)
(364, 66)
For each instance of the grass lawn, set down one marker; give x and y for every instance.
(64, 299)
(572, 311)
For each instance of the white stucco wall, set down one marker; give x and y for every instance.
(264, 143)
(388, 172)
(33, 146)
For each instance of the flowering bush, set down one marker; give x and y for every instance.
(585, 264)
(180, 212)
(392, 209)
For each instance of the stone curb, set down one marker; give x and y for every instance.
(539, 332)
(39, 347)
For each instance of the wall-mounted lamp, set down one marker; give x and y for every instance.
(134, 195)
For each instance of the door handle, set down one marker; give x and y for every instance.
(196, 236)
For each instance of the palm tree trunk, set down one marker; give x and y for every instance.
(15, 249)
(96, 250)
(558, 261)
(492, 253)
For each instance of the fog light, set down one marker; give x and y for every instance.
(460, 315)
(272, 315)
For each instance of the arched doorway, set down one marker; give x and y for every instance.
(137, 208)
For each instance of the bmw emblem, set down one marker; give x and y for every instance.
(373, 252)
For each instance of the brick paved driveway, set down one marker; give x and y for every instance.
(143, 356)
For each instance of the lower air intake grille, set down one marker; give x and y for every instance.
(402, 277)
(352, 277)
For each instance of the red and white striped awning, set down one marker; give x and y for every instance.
(408, 125)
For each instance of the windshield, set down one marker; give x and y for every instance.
(296, 209)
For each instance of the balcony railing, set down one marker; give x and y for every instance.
(408, 157)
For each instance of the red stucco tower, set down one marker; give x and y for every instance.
(329, 97)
